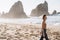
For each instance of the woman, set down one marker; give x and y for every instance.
(44, 34)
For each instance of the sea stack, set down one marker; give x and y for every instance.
(54, 12)
(41, 9)
(16, 11)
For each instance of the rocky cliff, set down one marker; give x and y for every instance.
(40, 10)
(16, 11)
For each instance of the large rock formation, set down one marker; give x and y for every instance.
(40, 9)
(16, 11)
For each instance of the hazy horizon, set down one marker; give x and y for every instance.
(28, 5)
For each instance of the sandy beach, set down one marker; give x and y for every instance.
(27, 31)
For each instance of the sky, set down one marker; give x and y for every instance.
(28, 5)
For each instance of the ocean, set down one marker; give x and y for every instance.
(37, 20)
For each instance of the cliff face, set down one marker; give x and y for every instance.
(16, 11)
(40, 9)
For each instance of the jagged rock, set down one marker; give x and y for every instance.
(16, 11)
(40, 10)
(54, 12)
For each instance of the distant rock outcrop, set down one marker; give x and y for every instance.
(54, 12)
(16, 11)
(58, 12)
(40, 10)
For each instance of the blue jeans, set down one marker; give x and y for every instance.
(45, 35)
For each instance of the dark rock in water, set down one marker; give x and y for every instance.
(16, 11)
(41, 9)
(54, 12)
(58, 12)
